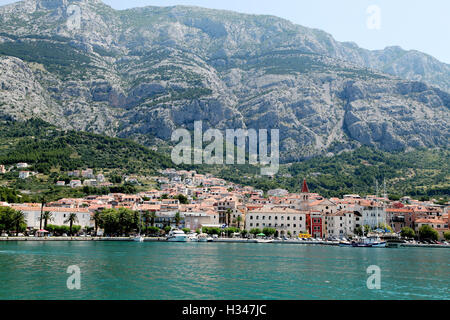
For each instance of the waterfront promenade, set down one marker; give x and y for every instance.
(223, 240)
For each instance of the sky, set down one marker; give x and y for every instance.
(422, 25)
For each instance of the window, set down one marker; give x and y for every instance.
(257, 224)
(270, 217)
(295, 226)
(289, 218)
(251, 217)
(251, 224)
(257, 217)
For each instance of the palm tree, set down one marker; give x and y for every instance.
(177, 219)
(228, 214)
(47, 216)
(71, 219)
(18, 220)
(146, 216)
(97, 217)
(43, 203)
(239, 220)
(153, 217)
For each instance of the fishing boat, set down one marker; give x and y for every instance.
(369, 242)
(345, 244)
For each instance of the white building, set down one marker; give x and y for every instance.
(341, 224)
(90, 182)
(75, 183)
(2, 169)
(373, 214)
(22, 165)
(24, 174)
(282, 219)
(59, 216)
(195, 220)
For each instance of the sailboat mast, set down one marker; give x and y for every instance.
(376, 199)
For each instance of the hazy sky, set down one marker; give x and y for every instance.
(422, 25)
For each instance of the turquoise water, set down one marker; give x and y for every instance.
(160, 270)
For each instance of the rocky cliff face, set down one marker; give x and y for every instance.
(143, 72)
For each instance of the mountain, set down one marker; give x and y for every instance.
(45, 148)
(141, 73)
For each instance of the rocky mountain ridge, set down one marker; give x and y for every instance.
(143, 72)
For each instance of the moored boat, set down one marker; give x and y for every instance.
(264, 240)
(369, 242)
(177, 235)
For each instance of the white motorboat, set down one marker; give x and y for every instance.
(177, 235)
(203, 237)
(193, 237)
(264, 240)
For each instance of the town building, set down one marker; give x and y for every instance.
(285, 221)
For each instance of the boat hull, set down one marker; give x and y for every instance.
(370, 245)
(178, 239)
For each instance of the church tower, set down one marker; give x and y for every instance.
(304, 196)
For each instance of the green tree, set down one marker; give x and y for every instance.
(186, 230)
(71, 219)
(153, 230)
(146, 217)
(228, 215)
(426, 232)
(407, 232)
(109, 221)
(43, 203)
(239, 221)
(97, 218)
(255, 231)
(177, 219)
(182, 198)
(47, 216)
(359, 230)
(19, 222)
(127, 220)
(269, 231)
(167, 229)
(447, 235)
